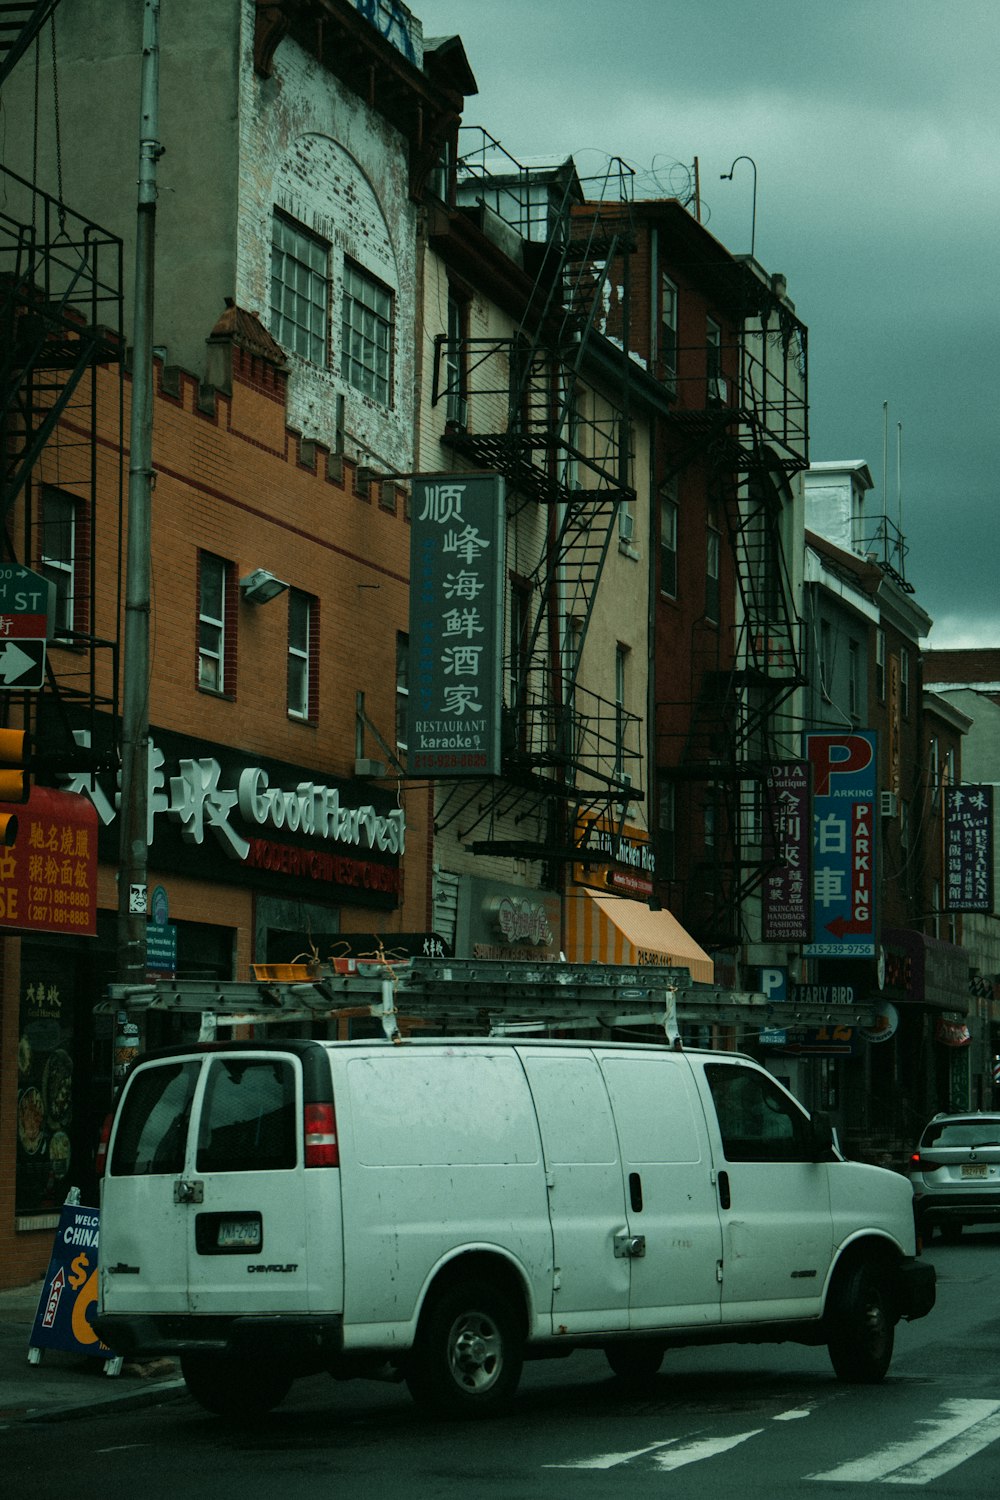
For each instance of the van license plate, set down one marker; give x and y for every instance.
(239, 1234)
(977, 1170)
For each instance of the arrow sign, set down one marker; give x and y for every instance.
(22, 663)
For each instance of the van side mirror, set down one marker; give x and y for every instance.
(822, 1135)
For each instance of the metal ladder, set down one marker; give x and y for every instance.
(459, 996)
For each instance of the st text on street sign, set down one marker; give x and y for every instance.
(25, 614)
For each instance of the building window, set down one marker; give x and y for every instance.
(303, 644)
(666, 844)
(934, 772)
(854, 680)
(626, 524)
(713, 364)
(668, 328)
(713, 591)
(402, 692)
(216, 625)
(60, 556)
(949, 766)
(455, 378)
(904, 681)
(668, 545)
(300, 290)
(880, 665)
(621, 659)
(825, 661)
(367, 334)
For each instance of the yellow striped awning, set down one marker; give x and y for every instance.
(613, 930)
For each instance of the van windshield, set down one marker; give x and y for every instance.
(152, 1127)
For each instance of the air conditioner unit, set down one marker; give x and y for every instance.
(717, 389)
(889, 804)
(626, 525)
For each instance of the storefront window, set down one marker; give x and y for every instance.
(45, 1095)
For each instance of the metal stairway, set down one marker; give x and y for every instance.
(561, 742)
(20, 24)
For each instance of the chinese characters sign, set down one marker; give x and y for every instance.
(270, 820)
(456, 625)
(844, 768)
(968, 848)
(48, 877)
(787, 888)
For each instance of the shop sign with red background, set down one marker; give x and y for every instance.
(48, 876)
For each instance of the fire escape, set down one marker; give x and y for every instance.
(60, 323)
(512, 405)
(742, 417)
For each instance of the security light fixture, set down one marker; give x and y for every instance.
(260, 586)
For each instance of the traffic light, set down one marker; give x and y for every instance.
(15, 780)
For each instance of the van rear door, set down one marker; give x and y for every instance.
(243, 1188)
(204, 1205)
(144, 1239)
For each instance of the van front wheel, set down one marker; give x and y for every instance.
(467, 1358)
(861, 1327)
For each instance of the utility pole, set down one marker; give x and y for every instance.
(133, 809)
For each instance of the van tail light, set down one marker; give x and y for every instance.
(101, 1158)
(321, 1136)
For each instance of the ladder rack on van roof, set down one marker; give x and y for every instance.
(456, 995)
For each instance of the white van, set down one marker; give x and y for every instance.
(441, 1210)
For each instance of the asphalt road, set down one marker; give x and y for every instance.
(758, 1422)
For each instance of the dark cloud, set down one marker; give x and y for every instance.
(873, 125)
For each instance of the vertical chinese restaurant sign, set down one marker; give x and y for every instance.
(456, 625)
(787, 905)
(48, 876)
(845, 788)
(968, 848)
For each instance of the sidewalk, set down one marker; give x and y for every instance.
(67, 1385)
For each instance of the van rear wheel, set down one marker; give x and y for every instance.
(861, 1329)
(468, 1354)
(635, 1363)
(231, 1387)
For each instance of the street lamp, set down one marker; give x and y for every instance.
(728, 176)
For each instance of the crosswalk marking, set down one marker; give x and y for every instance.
(946, 1441)
(692, 1453)
(612, 1460)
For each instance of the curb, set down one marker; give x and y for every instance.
(71, 1410)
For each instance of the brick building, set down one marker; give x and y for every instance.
(286, 301)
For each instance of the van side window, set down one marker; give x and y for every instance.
(248, 1116)
(152, 1130)
(757, 1121)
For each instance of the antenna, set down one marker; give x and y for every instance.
(885, 457)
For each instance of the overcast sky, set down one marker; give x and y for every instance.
(874, 126)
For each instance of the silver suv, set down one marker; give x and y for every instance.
(955, 1172)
